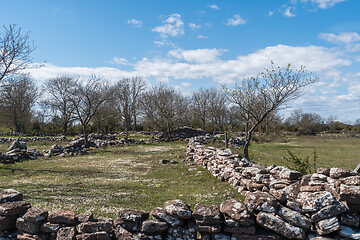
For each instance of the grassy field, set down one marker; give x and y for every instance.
(343, 151)
(105, 180)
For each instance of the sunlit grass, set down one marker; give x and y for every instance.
(108, 179)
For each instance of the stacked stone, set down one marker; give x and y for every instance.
(18, 151)
(325, 204)
(12, 206)
(77, 146)
(5, 140)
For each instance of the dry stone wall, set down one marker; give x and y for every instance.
(324, 205)
(279, 204)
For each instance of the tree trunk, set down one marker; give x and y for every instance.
(247, 143)
(65, 128)
(203, 122)
(85, 136)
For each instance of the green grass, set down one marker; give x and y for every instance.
(332, 152)
(108, 179)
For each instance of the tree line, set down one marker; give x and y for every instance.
(65, 104)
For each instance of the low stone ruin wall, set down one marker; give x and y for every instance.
(279, 204)
(5, 140)
(174, 220)
(324, 205)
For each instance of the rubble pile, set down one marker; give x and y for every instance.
(180, 133)
(6, 140)
(325, 204)
(77, 146)
(18, 151)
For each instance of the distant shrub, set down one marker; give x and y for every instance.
(301, 165)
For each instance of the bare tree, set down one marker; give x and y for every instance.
(217, 109)
(15, 51)
(18, 97)
(58, 92)
(200, 100)
(127, 92)
(259, 96)
(162, 108)
(87, 97)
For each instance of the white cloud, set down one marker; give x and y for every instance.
(49, 71)
(287, 12)
(271, 13)
(121, 61)
(325, 3)
(194, 26)
(235, 21)
(319, 60)
(198, 55)
(206, 63)
(202, 37)
(348, 39)
(344, 37)
(135, 23)
(215, 7)
(172, 26)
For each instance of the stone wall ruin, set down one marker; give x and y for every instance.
(279, 204)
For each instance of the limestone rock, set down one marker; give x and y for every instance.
(276, 224)
(349, 232)
(261, 201)
(10, 195)
(159, 213)
(178, 209)
(350, 194)
(14, 208)
(314, 201)
(35, 215)
(350, 219)
(237, 211)
(207, 214)
(62, 216)
(48, 227)
(328, 212)
(294, 218)
(123, 234)
(289, 174)
(176, 233)
(92, 227)
(353, 180)
(340, 173)
(133, 215)
(66, 233)
(84, 217)
(153, 227)
(327, 226)
(325, 171)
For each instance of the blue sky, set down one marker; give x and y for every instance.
(199, 44)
